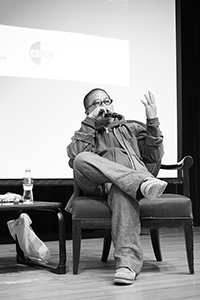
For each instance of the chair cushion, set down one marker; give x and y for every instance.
(167, 206)
(86, 207)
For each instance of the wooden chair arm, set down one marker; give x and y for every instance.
(183, 167)
(186, 162)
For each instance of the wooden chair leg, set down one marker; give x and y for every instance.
(106, 245)
(76, 236)
(155, 240)
(189, 242)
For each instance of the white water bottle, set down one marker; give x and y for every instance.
(27, 183)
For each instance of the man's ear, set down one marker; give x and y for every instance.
(87, 113)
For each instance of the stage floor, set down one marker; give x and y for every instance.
(169, 279)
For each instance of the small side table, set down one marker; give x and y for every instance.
(42, 206)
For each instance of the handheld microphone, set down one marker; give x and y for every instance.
(108, 114)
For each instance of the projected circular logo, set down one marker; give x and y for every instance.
(40, 53)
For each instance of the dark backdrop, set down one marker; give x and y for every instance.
(190, 23)
(46, 224)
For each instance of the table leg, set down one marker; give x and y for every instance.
(61, 269)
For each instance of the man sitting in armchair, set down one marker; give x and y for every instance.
(109, 158)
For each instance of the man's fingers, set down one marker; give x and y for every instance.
(143, 102)
(150, 98)
(146, 98)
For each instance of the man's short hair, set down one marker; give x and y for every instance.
(85, 100)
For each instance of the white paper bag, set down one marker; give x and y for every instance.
(29, 243)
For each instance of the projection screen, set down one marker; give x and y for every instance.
(53, 52)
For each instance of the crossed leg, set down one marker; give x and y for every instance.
(91, 171)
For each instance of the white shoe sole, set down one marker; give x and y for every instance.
(123, 281)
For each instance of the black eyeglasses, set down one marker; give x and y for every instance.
(98, 102)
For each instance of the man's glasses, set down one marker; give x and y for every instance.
(98, 102)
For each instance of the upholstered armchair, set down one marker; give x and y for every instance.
(170, 210)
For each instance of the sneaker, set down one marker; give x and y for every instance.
(153, 188)
(124, 276)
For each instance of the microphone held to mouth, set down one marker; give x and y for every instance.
(109, 114)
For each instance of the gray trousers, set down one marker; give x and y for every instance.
(92, 172)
